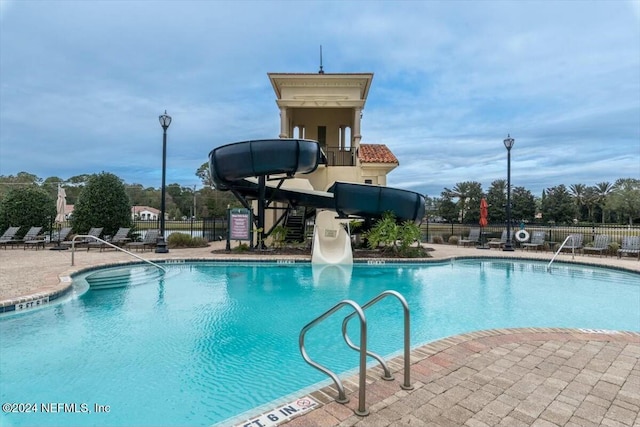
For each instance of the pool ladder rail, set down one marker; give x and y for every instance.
(573, 250)
(73, 250)
(359, 311)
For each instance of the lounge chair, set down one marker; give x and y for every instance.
(60, 236)
(536, 242)
(150, 240)
(34, 239)
(630, 246)
(503, 240)
(9, 236)
(575, 243)
(472, 239)
(118, 239)
(600, 244)
(31, 236)
(95, 232)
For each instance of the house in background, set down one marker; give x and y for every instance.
(142, 213)
(145, 213)
(68, 211)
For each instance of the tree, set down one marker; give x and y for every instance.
(578, 192)
(50, 185)
(590, 201)
(523, 205)
(625, 199)
(447, 208)
(22, 179)
(468, 194)
(602, 190)
(497, 201)
(103, 202)
(136, 194)
(204, 174)
(28, 206)
(557, 205)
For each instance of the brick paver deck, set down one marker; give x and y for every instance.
(528, 377)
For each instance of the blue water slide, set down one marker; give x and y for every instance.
(239, 160)
(372, 201)
(234, 165)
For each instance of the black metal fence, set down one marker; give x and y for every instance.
(554, 233)
(214, 228)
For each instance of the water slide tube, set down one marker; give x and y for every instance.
(236, 166)
(331, 242)
(233, 162)
(371, 201)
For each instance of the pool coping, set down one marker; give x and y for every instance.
(65, 280)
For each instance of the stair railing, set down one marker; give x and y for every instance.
(406, 385)
(73, 250)
(342, 397)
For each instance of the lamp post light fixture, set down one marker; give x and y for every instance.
(161, 244)
(508, 143)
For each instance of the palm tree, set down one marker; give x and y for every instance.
(464, 191)
(602, 190)
(578, 193)
(590, 201)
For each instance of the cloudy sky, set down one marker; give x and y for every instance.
(82, 84)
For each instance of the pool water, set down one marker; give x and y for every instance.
(212, 340)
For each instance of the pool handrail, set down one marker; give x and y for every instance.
(73, 250)
(406, 385)
(342, 398)
(573, 249)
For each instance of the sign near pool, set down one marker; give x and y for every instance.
(240, 224)
(281, 414)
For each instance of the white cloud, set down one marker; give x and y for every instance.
(451, 80)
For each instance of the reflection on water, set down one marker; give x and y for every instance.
(331, 274)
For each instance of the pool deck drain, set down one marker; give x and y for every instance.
(537, 377)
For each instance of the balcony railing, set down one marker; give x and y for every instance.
(340, 157)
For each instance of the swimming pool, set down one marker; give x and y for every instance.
(211, 340)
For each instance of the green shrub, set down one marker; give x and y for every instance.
(387, 232)
(384, 232)
(453, 240)
(408, 233)
(103, 202)
(27, 207)
(278, 236)
(182, 240)
(438, 240)
(242, 247)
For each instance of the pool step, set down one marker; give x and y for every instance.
(121, 277)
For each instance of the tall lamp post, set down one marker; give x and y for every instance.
(508, 143)
(165, 121)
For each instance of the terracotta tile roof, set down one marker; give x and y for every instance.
(141, 208)
(376, 153)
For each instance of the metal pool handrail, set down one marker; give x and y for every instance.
(573, 249)
(407, 338)
(342, 398)
(73, 250)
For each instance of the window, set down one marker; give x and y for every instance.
(322, 137)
